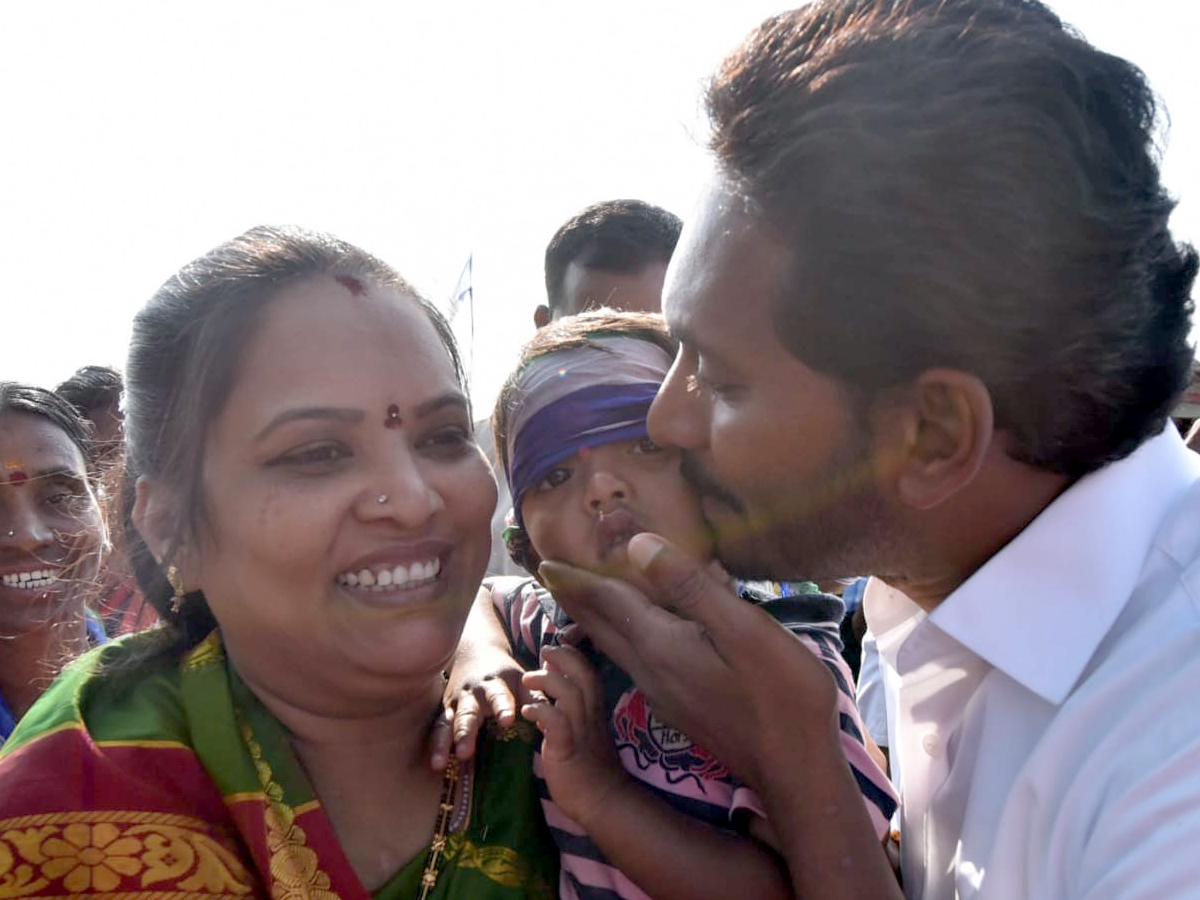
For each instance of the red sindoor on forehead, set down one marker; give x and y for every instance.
(16, 474)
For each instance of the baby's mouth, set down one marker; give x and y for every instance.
(614, 530)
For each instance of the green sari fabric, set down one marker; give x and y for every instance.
(177, 784)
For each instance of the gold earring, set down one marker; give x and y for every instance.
(176, 581)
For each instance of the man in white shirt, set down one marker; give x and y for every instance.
(966, 194)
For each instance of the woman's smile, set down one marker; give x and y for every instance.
(31, 579)
(398, 577)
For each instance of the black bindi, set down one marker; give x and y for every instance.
(393, 419)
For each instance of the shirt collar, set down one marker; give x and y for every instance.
(1039, 608)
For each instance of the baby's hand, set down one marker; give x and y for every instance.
(582, 769)
(481, 684)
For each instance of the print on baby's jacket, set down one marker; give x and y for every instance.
(655, 743)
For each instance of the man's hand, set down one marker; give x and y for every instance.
(739, 684)
(716, 667)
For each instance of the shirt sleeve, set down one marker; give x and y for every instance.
(1141, 845)
(521, 605)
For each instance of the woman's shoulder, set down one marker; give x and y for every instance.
(124, 690)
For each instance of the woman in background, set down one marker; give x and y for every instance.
(51, 535)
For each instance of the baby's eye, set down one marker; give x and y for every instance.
(553, 479)
(645, 445)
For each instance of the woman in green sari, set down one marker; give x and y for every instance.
(309, 513)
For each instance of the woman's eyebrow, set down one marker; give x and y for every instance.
(451, 398)
(333, 413)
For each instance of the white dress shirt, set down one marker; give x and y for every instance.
(1047, 717)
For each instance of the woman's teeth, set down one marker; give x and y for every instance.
(392, 578)
(41, 578)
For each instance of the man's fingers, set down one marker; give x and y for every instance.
(595, 601)
(689, 586)
(613, 613)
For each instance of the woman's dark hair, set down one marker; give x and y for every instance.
(966, 184)
(36, 401)
(184, 359)
(91, 387)
(567, 333)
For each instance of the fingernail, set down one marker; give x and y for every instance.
(642, 549)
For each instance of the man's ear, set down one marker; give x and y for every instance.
(946, 428)
(541, 316)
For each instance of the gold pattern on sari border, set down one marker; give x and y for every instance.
(94, 851)
(520, 730)
(205, 653)
(145, 745)
(232, 800)
(503, 865)
(295, 870)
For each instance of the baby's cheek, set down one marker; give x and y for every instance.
(695, 536)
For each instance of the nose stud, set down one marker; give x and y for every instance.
(381, 499)
(12, 533)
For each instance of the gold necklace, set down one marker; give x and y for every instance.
(438, 845)
(280, 818)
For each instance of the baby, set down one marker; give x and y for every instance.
(636, 808)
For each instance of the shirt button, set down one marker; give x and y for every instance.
(932, 744)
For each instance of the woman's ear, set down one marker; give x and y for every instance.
(155, 516)
(948, 427)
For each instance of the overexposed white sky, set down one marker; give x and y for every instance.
(136, 135)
